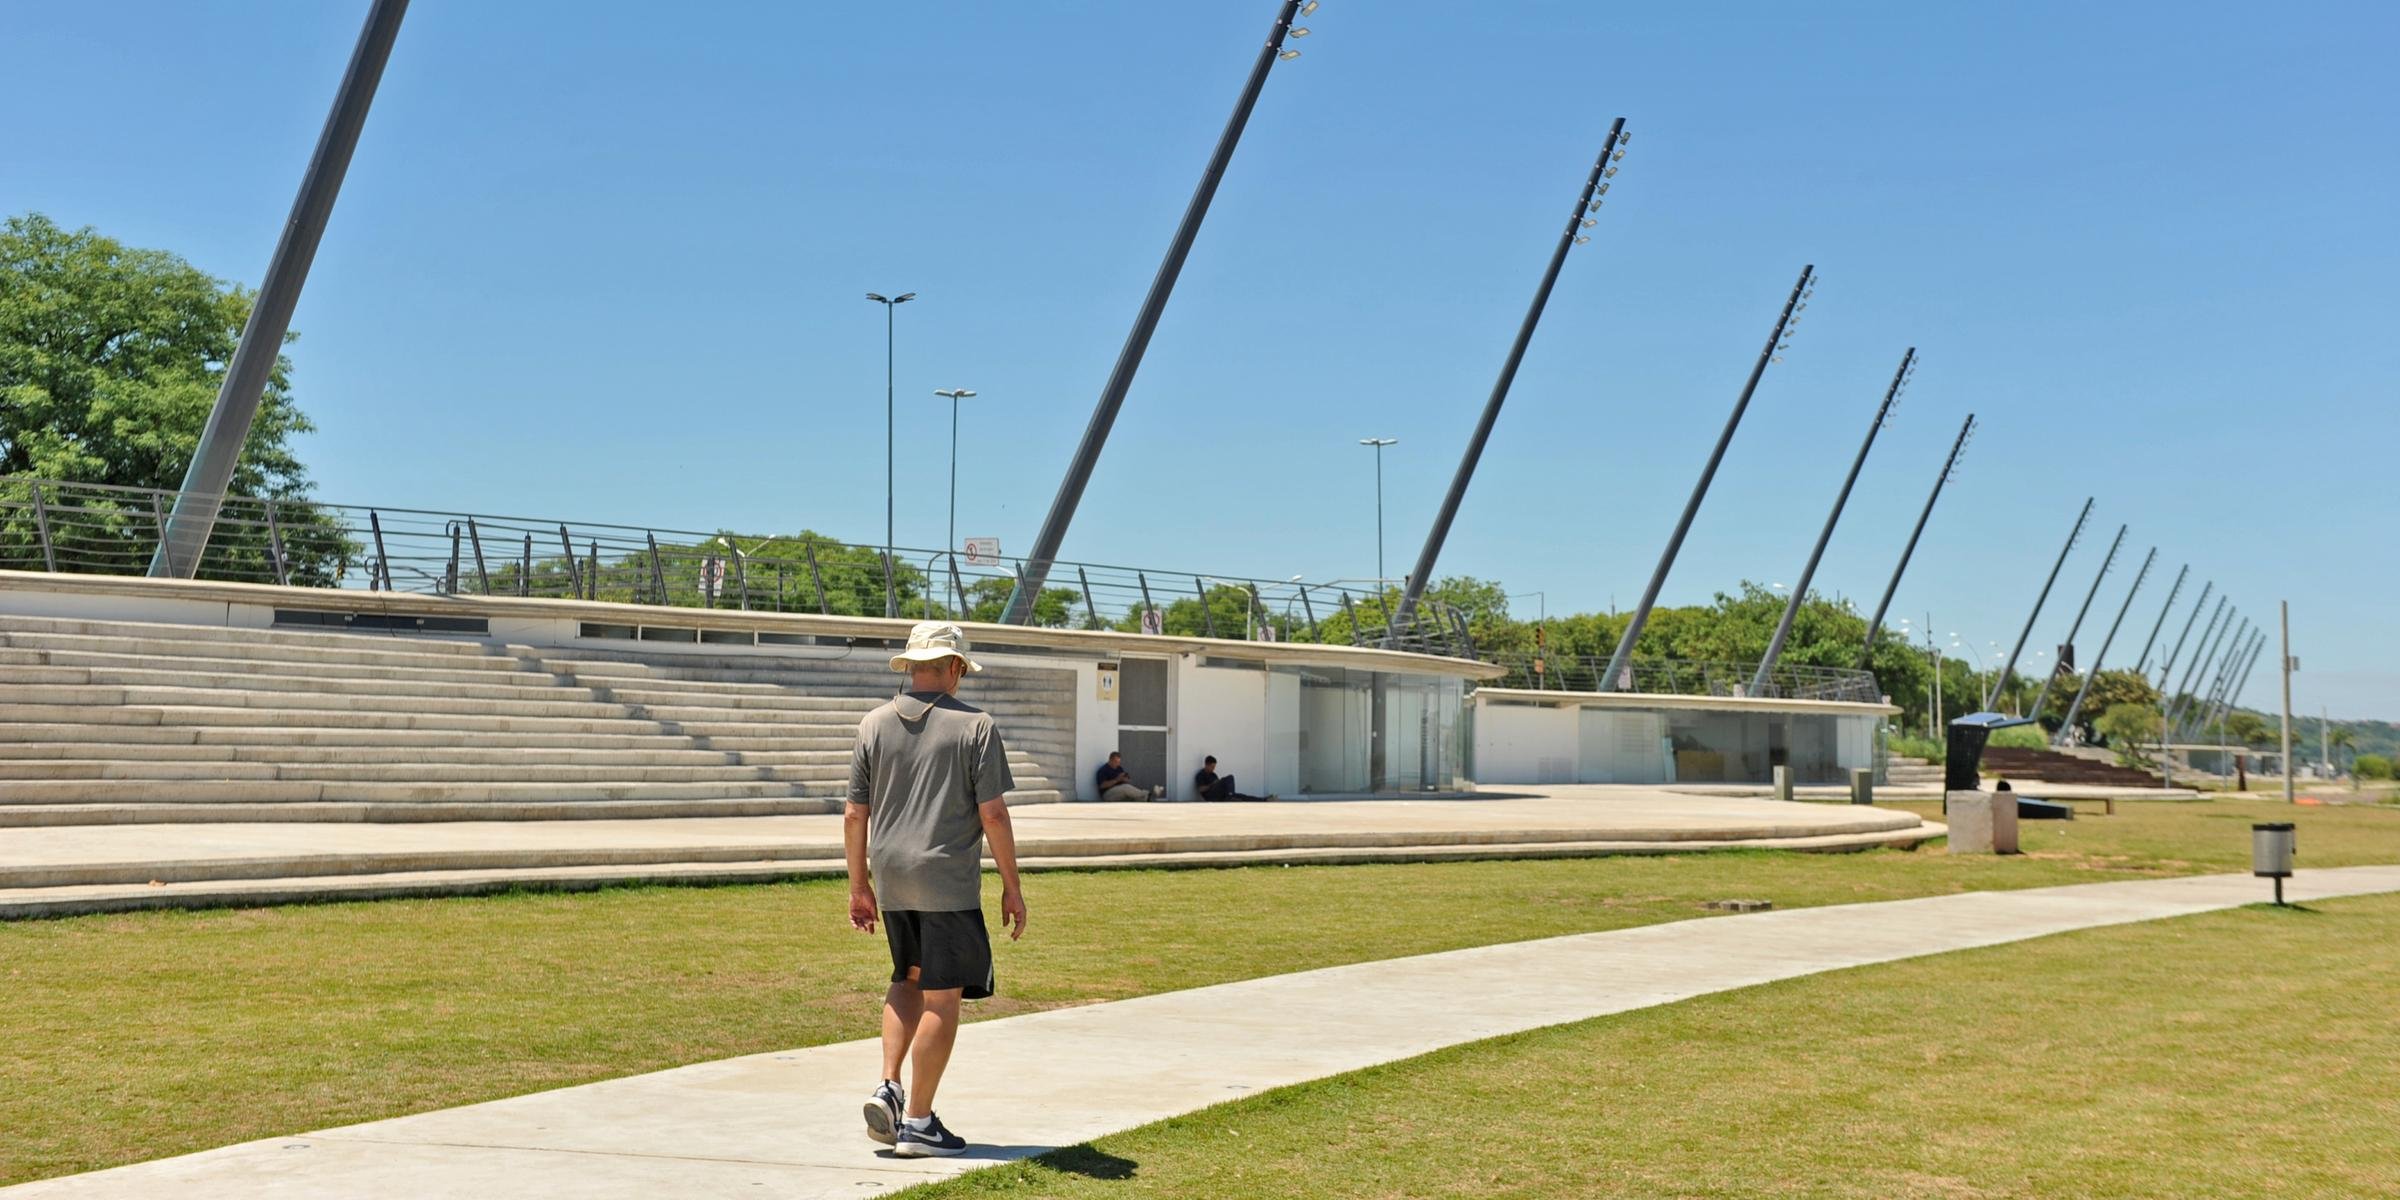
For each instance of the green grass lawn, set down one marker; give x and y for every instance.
(2245, 1053)
(133, 1036)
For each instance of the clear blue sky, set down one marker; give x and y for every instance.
(606, 261)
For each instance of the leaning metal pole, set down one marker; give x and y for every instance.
(1966, 430)
(2229, 640)
(1666, 560)
(210, 474)
(1791, 608)
(2166, 670)
(2093, 672)
(2189, 668)
(2141, 666)
(2216, 709)
(2233, 696)
(2204, 656)
(1036, 570)
(1576, 220)
(2036, 711)
(2204, 713)
(2234, 648)
(2000, 680)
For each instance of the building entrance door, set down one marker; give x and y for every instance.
(1142, 720)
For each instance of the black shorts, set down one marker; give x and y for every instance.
(949, 949)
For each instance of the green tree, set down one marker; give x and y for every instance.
(2372, 766)
(2109, 689)
(2130, 730)
(2246, 727)
(2342, 739)
(110, 359)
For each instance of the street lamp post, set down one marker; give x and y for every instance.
(891, 594)
(1379, 444)
(955, 395)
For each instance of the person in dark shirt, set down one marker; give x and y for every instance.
(1113, 782)
(1212, 786)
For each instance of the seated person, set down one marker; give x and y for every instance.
(1212, 786)
(1114, 782)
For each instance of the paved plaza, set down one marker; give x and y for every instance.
(58, 870)
(787, 1124)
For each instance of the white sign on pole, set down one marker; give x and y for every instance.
(983, 552)
(1154, 622)
(712, 577)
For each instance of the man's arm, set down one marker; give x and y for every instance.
(1002, 837)
(854, 853)
(854, 833)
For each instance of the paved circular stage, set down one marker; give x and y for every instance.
(52, 871)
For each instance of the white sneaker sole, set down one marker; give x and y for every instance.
(879, 1123)
(921, 1150)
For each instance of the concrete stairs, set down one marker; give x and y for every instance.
(2052, 766)
(1902, 770)
(115, 722)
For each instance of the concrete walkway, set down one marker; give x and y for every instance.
(65, 869)
(787, 1124)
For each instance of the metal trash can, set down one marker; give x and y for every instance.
(2271, 853)
(2271, 850)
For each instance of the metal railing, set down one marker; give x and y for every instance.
(98, 529)
(1662, 676)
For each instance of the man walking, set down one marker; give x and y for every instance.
(929, 783)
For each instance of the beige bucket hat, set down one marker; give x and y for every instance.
(931, 641)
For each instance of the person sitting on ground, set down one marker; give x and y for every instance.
(1212, 786)
(1114, 782)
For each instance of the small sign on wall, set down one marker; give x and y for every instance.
(1107, 683)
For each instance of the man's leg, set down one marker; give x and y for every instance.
(903, 1007)
(936, 1032)
(1124, 793)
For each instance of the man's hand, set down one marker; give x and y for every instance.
(1012, 912)
(862, 908)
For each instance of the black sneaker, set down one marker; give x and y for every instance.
(933, 1141)
(883, 1111)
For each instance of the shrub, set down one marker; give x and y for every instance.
(2022, 737)
(2372, 766)
(1903, 745)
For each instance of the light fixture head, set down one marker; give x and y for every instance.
(1589, 222)
(1619, 156)
(1299, 31)
(1288, 55)
(1610, 173)
(1306, 9)
(1582, 240)
(904, 297)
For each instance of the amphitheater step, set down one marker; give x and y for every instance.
(414, 812)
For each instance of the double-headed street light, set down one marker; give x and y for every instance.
(1379, 444)
(891, 595)
(955, 395)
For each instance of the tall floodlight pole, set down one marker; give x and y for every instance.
(1036, 570)
(2284, 609)
(1784, 320)
(187, 527)
(2141, 666)
(891, 594)
(2008, 668)
(2093, 671)
(2166, 670)
(1791, 608)
(1581, 218)
(2039, 697)
(955, 395)
(1379, 444)
(1966, 432)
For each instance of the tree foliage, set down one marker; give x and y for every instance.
(2131, 729)
(110, 359)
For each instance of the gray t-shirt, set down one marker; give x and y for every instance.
(921, 765)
